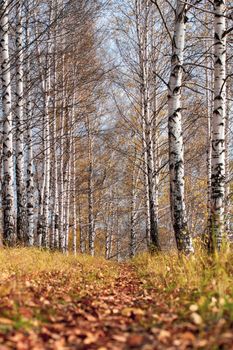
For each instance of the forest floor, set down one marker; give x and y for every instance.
(50, 301)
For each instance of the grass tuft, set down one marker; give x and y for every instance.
(199, 282)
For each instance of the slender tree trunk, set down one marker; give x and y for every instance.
(149, 137)
(30, 166)
(41, 189)
(55, 207)
(8, 168)
(81, 231)
(176, 146)
(61, 167)
(45, 236)
(74, 207)
(142, 23)
(22, 234)
(209, 140)
(227, 184)
(118, 241)
(133, 235)
(91, 226)
(67, 207)
(218, 128)
(30, 183)
(108, 231)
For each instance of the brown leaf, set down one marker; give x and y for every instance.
(135, 340)
(164, 335)
(27, 313)
(90, 338)
(5, 321)
(188, 336)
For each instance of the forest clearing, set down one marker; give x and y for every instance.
(51, 301)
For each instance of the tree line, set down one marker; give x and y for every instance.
(116, 125)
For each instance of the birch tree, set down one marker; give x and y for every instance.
(218, 126)
(19, 119)
(176, 146)
(29, 138)
(8, 168)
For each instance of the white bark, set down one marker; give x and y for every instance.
(218, 127)
(74, 207)
(8, 169)
(91, 225)
(227, 176)
(109, 227)
(22, 233)
(133, 213)
(176, 147)
(61, 166)
(29, 142)
(81, 231)
(45, 234)
(67, 204)
(209, 105)
(54, 242)
(142, 26)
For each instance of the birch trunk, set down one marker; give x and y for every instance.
(74, 208)
(30, 170)
(91, 230)
(91, 225)
(176, 147)
(22, 234)
(227, 176)
(81, 231)
(8, 168)
(218, 127)
(68, 187)
(45, 234)
(41, 190)
(61, 165)
(55, 218)
(209, 105)
(55, 209)
(30, 183)
(133, 236)
(67, 206)
(109, 229)
(142, 19)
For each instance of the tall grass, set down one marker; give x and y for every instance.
(199, 281)
(26, 261)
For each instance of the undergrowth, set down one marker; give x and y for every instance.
(199, 286)
(23, 261)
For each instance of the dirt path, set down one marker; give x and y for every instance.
(123, 315)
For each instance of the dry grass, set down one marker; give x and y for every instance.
(200, 282)
(25, 262)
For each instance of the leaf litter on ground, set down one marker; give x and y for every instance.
(49, 301)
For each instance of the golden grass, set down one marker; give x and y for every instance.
(27, 261)
(34, 282)
(199, 281)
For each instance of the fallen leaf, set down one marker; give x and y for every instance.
(6, 321)
(122, 338)
(196, 318)
(193, 307)
(188, 336)
(135, 340)
(129, 311)
(164, 335)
